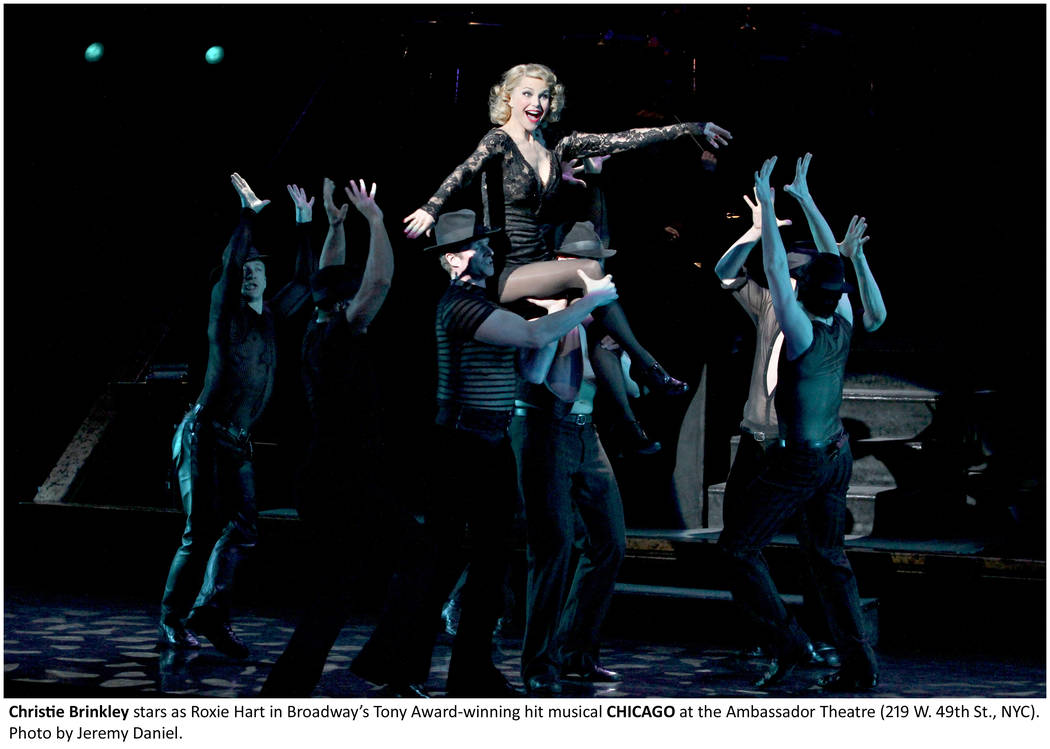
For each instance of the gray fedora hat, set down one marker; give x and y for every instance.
(583, 241)
(456, 229)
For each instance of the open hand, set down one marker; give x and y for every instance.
(756, 210)
(716, 135)
(335, 215)
(799, 189)
(304, 209)
(364, 200)
(853, 243)
(551, 305)
(569, 170)
(419, 221)
(763, 191)
(602, 290)
(248, 198)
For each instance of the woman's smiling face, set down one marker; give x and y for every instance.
(529, 102)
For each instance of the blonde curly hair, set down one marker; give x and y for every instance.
(499, 95)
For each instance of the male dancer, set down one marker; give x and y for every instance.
(477, 344)
(808, 470)
(339, 497)
(758, 428)
(212, 447)
(565, 474)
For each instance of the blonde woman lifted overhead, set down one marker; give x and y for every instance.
(527, 97)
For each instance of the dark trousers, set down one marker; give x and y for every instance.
(572, 503)
(217, 487)
(347, 555)
(747, 465)
(812, 483)
(478, 493)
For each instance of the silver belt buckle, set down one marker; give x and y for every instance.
(759, 436)
(579, 419)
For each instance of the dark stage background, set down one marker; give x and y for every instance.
(928, 120)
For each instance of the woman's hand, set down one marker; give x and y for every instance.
(419, 221)
(716, 135)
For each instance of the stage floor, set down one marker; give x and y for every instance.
(83, 646)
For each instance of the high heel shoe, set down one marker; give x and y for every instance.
(660, 382)
(634, 439)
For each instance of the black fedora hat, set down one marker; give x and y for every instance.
(333, 284)
(457, 229)
(583, 241)
(824, 274)
(252, 254)
(799, 255)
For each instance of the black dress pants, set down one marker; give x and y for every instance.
(812, 483)
(468, 518)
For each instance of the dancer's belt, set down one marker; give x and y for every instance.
(830, 445)
(764, 438)
(577, 419)
(240, 435)
(569, 418)
(464, 417)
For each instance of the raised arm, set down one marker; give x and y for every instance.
(798, 330)
(422, 219)
(503, 328)
(852, 247)
(226, 294)
(305, 262)
(333, 252)
(728, 266)
(818, 226)
(379, 268)
(291, 297)
(579, 145)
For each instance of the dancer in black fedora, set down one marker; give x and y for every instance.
(477, 348)
(340, 499)
(567, 481)
(759, 428)
(808, 470)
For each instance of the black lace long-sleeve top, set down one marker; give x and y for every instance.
(525, 194)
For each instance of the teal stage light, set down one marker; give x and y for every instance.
(94, 52)
(214, 55)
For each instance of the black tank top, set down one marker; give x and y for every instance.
(809, 389)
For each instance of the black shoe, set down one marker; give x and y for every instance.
(843, 681)
(635, 440)
(593, 673)
(220, 634)
(827, 654)
(660, 382)
(176, 637)
(488, 683)
(754, 651)
(411, 691)
(780, 667)
(813, 658)
(543, 685)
